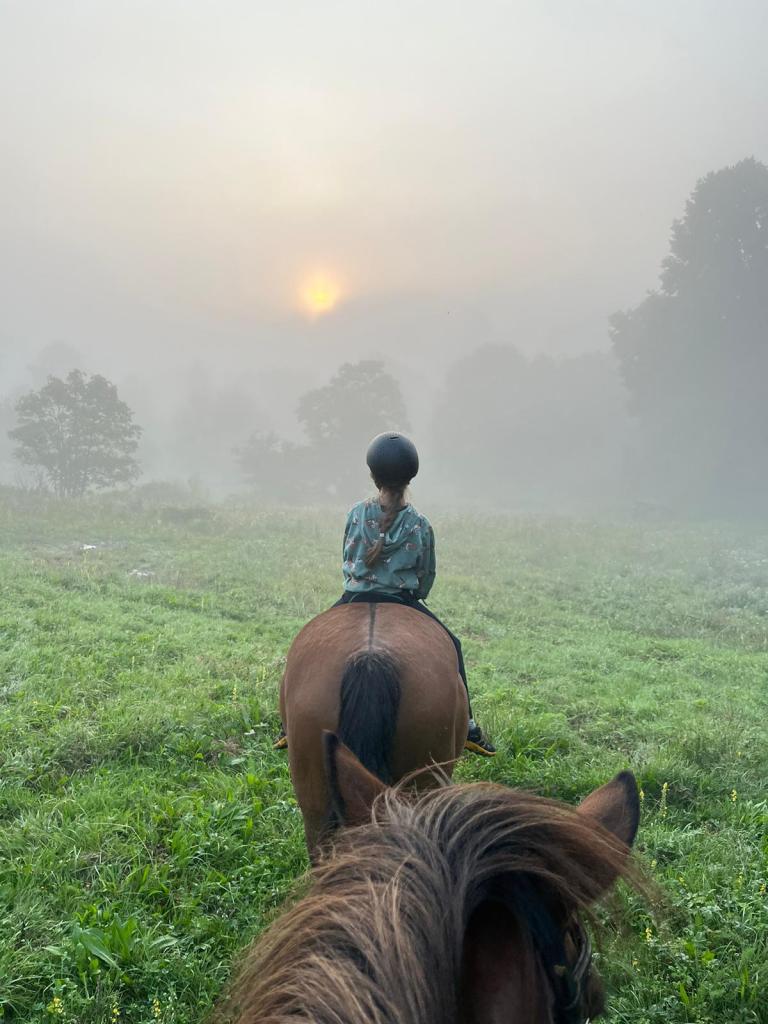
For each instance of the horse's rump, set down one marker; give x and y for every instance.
(385, 679)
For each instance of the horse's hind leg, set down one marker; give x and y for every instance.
(309, 784)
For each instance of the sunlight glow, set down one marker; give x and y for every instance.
(319, 294)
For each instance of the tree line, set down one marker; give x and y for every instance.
(676, 412)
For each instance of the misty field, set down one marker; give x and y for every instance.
(149, 830)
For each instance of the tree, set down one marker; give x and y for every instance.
(78, 432)
(694, 353)
(339, 419)
(361, 399)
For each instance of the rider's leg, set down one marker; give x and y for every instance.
(455, 641)
(476, 741)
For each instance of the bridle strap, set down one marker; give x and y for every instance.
(566, 982)
(571, 979)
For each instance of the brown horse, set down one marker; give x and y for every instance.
(460, 904)
(385, 679)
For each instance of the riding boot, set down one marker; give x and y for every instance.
(476, 741)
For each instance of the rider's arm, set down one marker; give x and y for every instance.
(427, 564)
(351, 524)
(346, 535)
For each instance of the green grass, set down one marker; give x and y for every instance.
(148, 831)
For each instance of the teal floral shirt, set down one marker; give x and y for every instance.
(407, 560)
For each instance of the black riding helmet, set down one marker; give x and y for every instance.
(392, 459)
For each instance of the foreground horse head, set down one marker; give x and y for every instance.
(461, 904)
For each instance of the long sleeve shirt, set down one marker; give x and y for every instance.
(407, 559)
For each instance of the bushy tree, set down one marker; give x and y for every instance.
(362, 399)
(694, 353)
(78, 432)
(339, 419)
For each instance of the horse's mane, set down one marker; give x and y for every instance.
(378, 938)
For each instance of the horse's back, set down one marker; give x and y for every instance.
(349, 629)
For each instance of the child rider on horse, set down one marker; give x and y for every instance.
(389, 551)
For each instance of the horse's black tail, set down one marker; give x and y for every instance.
(370, 698)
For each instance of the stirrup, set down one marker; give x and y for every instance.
(476, 748)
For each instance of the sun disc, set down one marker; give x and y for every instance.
(320, 294)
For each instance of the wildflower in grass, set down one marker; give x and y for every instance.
(115, 1013)
(653, 863)
(648, 933)
(636, 964)
(56, 1007)
(734, 796)
(641, 794)
(234, 694)
(157, 1010)
(739, 881)
(761, 890)
(663, 801)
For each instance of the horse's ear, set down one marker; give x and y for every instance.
(616, 806)
(352, 787)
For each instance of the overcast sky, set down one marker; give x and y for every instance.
(173, 171)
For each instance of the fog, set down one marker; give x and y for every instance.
(480, 187)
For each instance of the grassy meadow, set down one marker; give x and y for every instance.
(148, 831)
